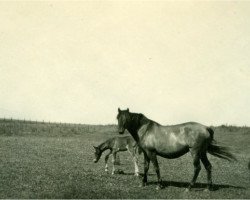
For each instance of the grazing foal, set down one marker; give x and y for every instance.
(115, 145)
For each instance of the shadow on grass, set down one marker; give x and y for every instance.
(186, 184)
(196, 186)
(140, 174)
(77, 190)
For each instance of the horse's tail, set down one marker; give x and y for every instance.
(217, 150)
(211, 132)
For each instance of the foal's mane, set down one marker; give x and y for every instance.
(104, 145)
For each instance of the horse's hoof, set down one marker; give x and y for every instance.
(208, 189)
(187, 190)
(142, 184)
(159, 187)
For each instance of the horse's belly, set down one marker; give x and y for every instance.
(172, 152)
(166, 143)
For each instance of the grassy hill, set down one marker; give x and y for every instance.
(14, 127)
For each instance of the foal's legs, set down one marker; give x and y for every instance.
(197, 168)
(132, 152)
(113, 161)
(106, 161)
(208, 168)
(136, 165)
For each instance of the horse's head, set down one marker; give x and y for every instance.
(98, 154)
(123, 118)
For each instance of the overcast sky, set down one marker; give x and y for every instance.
(172, 61)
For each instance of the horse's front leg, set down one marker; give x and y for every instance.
(146, 167)
(154, 160)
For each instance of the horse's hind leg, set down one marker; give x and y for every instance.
(208, 168)
(197, 168)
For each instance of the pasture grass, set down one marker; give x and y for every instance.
(61, 167)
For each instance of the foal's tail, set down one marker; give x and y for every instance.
(217, 150)
(137, 150)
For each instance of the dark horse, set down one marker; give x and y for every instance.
(117, 144)
(172, 142)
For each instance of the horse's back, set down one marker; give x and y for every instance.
(190, 132)
(123, 143)
(189, 128)
(175, 140)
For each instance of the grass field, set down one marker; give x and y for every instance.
(61, 166)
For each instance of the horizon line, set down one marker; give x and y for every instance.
(107, 124)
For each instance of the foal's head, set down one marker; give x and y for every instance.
(123, 118)
(98, 154)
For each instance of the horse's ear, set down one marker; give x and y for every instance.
(127, 109)
(119, 110)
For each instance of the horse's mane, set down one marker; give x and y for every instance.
(137, 120)
(141, 118)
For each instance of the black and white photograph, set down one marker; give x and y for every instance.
(125, 99)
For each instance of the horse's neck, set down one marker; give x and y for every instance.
(137, 121)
